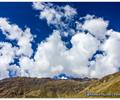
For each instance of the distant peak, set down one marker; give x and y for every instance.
(61, 76)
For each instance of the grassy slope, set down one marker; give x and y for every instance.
(49, 88)
(59, 88)
(107, 85)
(35, 87)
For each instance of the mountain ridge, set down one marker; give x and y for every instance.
(26, 87)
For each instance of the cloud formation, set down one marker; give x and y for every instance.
(23, 38)
(61, 17)
(89, 35)
(11, 52)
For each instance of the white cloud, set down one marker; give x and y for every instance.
(110, 62)
(75, 61)
(14, 70)
(87, 17)
(26, 65)
(69, 11)
(83, 47)
(54, 15)
(57, 69)
(52, 56)
(7, 53)
(13, 32)
(10, 31)
(39, 5)
(96, 26)
(49, 54)
(25, 43)
(46, 10)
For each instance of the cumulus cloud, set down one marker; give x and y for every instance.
(96, 26)
(84, 46)
(10, 52)
(59, 16)
(6, 56)
(109, 62)
(55, 13)
(52, 56)
(23, 38)
(49, 54)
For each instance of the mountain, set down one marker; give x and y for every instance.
(40, 87)
(108, 86)
(57, 88)
(62, 76)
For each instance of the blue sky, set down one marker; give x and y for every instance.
(23, 15)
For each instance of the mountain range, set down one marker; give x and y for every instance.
(27, 87)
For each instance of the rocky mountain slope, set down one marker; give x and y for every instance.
(41, 87)
(108, 86)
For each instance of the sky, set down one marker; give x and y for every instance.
(45, 39)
